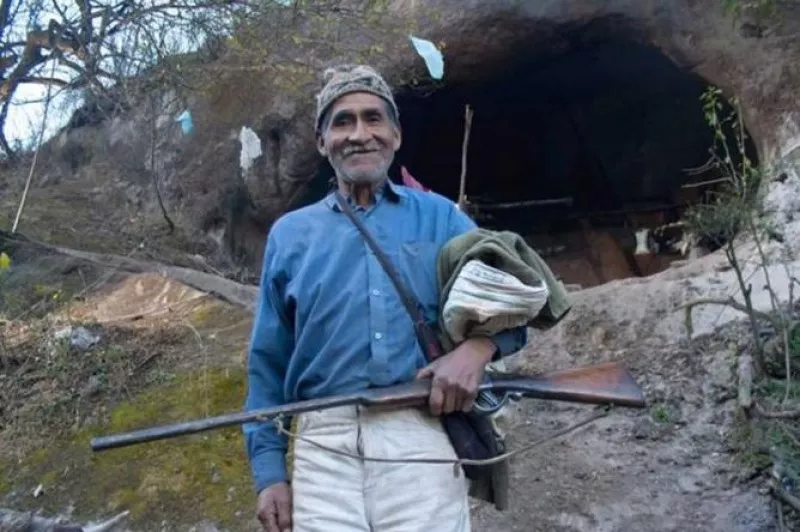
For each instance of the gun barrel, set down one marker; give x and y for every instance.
(226, 420)
(169, 431)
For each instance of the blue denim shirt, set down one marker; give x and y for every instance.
(328, 319)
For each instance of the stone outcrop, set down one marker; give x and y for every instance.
(482, 41)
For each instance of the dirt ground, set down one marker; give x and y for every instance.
(682, 464)
(669, 468)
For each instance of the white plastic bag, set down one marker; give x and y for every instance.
(431, 55)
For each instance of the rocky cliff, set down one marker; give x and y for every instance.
(569, 96)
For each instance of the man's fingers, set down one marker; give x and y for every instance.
(284, 505)
(451, 399)
(427, 371)
(269, 518)
(469, 401)
(436, 400)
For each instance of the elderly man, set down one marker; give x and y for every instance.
(329, 321)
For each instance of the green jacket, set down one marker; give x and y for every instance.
(506, 251)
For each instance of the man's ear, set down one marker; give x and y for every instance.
(321, 148)
(397, 138)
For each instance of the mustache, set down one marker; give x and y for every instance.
(360, 148)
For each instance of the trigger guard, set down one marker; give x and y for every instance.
(487, 402)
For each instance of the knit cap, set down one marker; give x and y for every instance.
(344, 79)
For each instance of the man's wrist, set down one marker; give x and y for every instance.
(485, 347)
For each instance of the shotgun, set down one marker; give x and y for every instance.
(603, 384)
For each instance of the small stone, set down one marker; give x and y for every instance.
(647, 430)
(82, 339)
(92, 387)
(688, 486)
(63, 334)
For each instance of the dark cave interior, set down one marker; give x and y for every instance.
(608, 128)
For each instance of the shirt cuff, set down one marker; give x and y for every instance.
(268, 468)
(509, 341)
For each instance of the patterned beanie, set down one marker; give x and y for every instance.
(345, 79)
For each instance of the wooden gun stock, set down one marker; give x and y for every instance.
(601, 384)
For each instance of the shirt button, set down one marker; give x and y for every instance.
(378, 336)
(376, 292)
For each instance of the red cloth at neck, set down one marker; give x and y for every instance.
(409, 181)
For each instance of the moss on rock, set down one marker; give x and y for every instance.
(178, 480)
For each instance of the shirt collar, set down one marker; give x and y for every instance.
(391, 191)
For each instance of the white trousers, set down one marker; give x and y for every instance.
(336, 493)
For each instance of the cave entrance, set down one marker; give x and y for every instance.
(575, 152)
(579, 146)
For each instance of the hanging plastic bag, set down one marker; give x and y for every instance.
(431, 55)
(185, 119)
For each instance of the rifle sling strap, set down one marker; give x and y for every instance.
(425, 335)
(471, 434)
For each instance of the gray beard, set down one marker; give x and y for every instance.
(373, 178)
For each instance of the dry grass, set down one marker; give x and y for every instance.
(50, 389)
(152, 365)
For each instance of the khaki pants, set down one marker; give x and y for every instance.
(336, 493)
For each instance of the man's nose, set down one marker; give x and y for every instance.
(360, 132)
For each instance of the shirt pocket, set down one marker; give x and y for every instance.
(417, 266)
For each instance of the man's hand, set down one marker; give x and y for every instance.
(456, 376)
(275, 508)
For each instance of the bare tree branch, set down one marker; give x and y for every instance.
(86, 39)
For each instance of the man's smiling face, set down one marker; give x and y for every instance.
(359, 138)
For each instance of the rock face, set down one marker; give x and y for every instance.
(483, 42)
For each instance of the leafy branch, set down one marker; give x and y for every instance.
(737, 210)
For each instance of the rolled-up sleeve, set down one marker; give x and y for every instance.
(268, 356)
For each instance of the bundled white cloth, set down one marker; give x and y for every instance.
(484, 301)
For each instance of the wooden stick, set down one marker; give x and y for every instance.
(238, 294)
(701, 183)
(745, 380)
(780, 414)
(781, 494)
(465, 144)
(527, 203)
